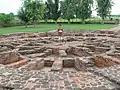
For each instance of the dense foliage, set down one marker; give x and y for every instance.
(33, 11)
(53, 11)
(104, 8)
(5, 19)
(24, 16)
(84, 9)
(68, 9)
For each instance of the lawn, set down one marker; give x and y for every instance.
(49, 27)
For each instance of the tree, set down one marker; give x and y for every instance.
(5, 19)
(45, 16)
(24, 15)
(104, 8)
(83, 9)
(53, 11)
(36, 11)
(31, 11)
(68, 9)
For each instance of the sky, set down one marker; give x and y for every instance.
(7, 6)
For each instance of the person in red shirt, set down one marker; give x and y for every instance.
(60, 31)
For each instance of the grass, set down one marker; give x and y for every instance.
(49, 27)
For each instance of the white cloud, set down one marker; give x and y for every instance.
(116, 7)
(7, 6)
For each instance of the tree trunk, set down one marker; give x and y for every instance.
(83, 21)
(34, 23)
(46, 20)
(26, 25)
(55, 21)
(103, 21)
(68, 21)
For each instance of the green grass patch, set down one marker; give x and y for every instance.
(49, 27)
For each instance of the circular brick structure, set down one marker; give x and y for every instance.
(40, 61)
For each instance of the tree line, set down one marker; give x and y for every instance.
(32, 11)
(5, 19)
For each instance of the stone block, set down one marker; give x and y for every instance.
(55, 50)
(48, 52)
(48, 63)
(62, 53)
(9, 57)
(37, 64)
(57, 65)
(87, 61)
(37, 55)
(90, 35)
(25, 52)
(79, 65)
(80, 51)
(68, 62)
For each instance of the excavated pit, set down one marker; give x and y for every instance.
(12, 59)
(73, 52)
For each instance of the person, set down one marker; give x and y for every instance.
(60, 31)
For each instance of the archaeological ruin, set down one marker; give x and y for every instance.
(83, 60)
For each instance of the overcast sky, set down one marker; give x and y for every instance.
(7, 6)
